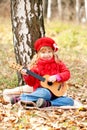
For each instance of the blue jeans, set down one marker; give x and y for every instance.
(46, 94)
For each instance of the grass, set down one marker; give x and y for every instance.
(72, 42)
(8, 77)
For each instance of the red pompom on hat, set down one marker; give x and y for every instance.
(45, 41)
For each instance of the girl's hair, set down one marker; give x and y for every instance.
(33, 61)
(36, 57)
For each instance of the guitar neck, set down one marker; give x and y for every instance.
(35, 75)
(29, 72)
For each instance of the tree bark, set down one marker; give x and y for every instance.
(77, 10)
(86, 9)
(59, 8)
(45, 4)
(27, 26)
(49, 9)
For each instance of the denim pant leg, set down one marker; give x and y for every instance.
(62, 101)
(38, 93)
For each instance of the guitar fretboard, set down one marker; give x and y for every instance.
(35, 75)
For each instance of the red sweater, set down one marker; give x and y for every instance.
(49, 67)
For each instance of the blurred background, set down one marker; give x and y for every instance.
(70, 10)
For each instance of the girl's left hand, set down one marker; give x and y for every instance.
(52, 78)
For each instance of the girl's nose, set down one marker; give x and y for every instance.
(46, 54)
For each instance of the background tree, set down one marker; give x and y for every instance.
(49, 10)
(27, 26)
(59, 8)
(45, 4)
(86, 9)
(77, 10)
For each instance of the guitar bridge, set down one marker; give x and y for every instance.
(59, 87)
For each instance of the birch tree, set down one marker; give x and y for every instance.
(77, 9)
(86, 9)
(60, 8)
(49, 9)
(27, 26)
(45, 4)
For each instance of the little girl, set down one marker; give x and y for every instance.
(45, 62)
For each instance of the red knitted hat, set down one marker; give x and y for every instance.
(45, 41)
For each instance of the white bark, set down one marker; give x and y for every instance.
(77, 9)
(59, 8)
(86, 9)
(19, 23)
(23, 18)
(49, 9)
(28, 26)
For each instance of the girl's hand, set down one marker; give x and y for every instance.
(52, 78)
(23, 72)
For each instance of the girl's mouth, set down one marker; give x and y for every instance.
(47, 58)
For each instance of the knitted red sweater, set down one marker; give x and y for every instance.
(49, 67)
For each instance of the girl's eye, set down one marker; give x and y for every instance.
(43, 51)
(49, 51)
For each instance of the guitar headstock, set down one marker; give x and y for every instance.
(15, 66)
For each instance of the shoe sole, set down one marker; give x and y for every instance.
(27, 103)
(40, 103)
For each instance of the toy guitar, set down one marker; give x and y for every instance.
(57, 88)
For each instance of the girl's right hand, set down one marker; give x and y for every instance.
(24, 70)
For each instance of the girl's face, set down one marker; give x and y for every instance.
(45, 53)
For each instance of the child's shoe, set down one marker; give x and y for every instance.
(6, 96)
(14, 99)
(42, 103)
(27, 103)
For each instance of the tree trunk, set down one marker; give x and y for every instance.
(77, 10)
(49, 9)
(27, 26)
(86, 9)
(45, 4)
(59, 8)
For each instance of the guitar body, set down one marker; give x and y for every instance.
(58, 89)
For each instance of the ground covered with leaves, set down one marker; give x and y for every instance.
(72, 43)
(17, 118)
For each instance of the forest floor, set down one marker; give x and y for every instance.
(72, 43)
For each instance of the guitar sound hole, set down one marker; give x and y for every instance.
(49, 83)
